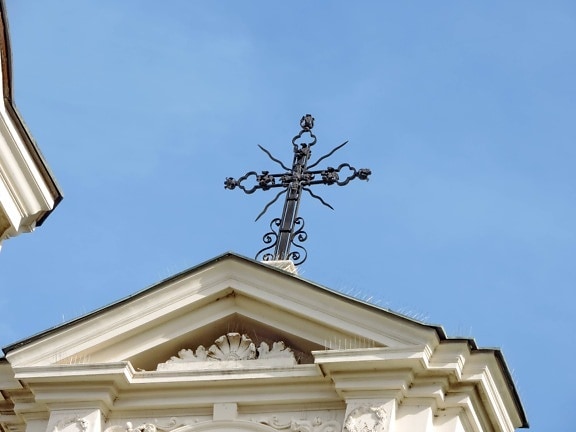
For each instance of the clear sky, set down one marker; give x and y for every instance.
(464, 111)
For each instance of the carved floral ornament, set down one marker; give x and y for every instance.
(230, 347)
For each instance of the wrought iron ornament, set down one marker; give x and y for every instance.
(288, 230)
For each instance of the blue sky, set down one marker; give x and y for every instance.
(464, 111)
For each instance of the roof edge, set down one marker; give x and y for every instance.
(31, 146)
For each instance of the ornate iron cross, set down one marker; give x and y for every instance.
(285, 231)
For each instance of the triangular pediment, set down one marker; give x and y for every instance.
(211, 335)
(230, 294)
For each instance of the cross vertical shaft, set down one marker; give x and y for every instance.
(291, 205)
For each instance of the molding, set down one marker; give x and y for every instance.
(266, 295)
(28, 190)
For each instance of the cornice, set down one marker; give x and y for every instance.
(119, 387)
(28, 190)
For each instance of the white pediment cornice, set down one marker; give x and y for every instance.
(229, 288)
(118, 386)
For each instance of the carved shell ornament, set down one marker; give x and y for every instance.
(234, 347)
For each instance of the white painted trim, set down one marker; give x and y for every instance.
(25, 196)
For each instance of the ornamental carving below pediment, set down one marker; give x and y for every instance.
(231, 347)
(174, 423)
(297, 425)
(317, 424)
(80, 424)
(367, 418)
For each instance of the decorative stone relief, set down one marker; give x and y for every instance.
(317, 425)
(80, 423)
(294, 425)
(147, 427)
(367, 418)
(278, 350)
(231, 347)
(172, 424)
(297, 425)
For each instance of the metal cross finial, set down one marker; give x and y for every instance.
(285, 231)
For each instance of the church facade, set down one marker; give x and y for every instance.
(28, 191)
(237, 345)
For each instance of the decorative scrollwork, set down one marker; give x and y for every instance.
(332, 175)
(297, 236)
(316, 425)
(262, 181)
(300, 255)
(270, 239)
(294, 181)
(275, 422)
(173, 423)
(297, 425)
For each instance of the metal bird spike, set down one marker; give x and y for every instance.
(288, 230)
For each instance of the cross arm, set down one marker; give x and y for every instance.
(331, 175)
(263, 181)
